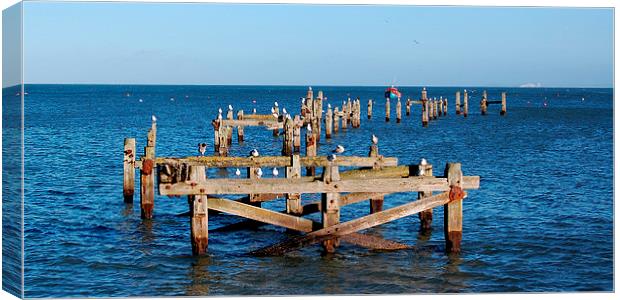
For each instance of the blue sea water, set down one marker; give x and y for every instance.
(541, 221)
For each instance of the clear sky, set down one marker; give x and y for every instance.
(161, 43)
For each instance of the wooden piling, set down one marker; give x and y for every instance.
(425, 113)
(349, 110)
(445, 106)
(199, 214)
(147, 176)
(336, 119)
(398, 111)
(465, 106)
(297, 134)
(223, 140)
(129, 172)
(457, 102)
(287, 144)
(293, 201)
(376, 203)
(503, 111)
(483, 103)
(216, 134)
(440, 104)
(345, 116)
(387, 109)
(369, 109)
(424, 94)
(253, 198)
(240, 128)
(426, 217)
(435, 109)
(453, 210)
(330, 206)
(310, 150)
(329, 123)
(408, 107)
(276, 131)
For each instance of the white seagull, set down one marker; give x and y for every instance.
(230, 107)
(238, 172)
(375, 139)
(423, 162)
(339, 149)
(219, 110)
(275, 172)
(309, 128)
(202, 148)
(275, 103)
(254, 153)
(259, 172)
(219, 116)
(329, 106)
(284, 111)
(140, 100)
(331, 157)
(254, 111)
(153, 118)
(273, 110)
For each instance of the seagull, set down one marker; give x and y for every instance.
(329, 106)
(288, 116)
(331, 157)
(284, 111)
(254, 111)
(275, 103)
(309, 128)
(309, 88)
(153, 118)
(275, 172)
(219, 110)
(254, 153)
(273, 110)
(202, 148)
(375, 139)
(423, 162)
(259, 172)
(339, 149)
(238, 172)
(140, 100)
(219, 116)
(230, 107)
(171, 98)
(303, 101)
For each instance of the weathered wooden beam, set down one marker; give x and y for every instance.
(240, 127)
(398, 110)
(293, 200)
(387, 109)
(199, 215)
(376, 203)
(369, 109)
(147, 176)
(276, 161)
(503, 110)
(354, 225)
(259, 117)
(465, 104)
(129, 172)
(260, 214)
(453, 210)
(303, 186)
(457, 102)
(330, 206)
(426, 217)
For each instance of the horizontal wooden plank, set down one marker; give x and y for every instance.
(244, 122)
(357, 197)
(355, 225)
(258, 117)
(275, 161)
(260, 214)
(303, 186)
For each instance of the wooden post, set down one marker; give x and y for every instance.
(457, 102)
(465, 106)
(229, 131)
(387, 109)
(426, 217)
(435, 109)
(424, 94)
(483, 103)
(376, 203)
(147, 176)
(199, 214)
(293, 201)
(453, 210)
(287, 144)
(445, 106)
(336, 119)
(345, 116)
(398, 111)
(224, 141)
(240, 128)
(309, 96)
(408, 107)
(276, 131)
(330, 206)
(425, 113)
(316, 130)
(431, 107)
(129, 172)
(440, 105)
(216, 135)
(349, 111)
(369, 109)
(310, 150)
(252, 175)
(329, 123)
(503, 111)
(297, 134)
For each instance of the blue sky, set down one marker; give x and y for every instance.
(161, 43)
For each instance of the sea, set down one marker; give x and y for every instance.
(542, 220)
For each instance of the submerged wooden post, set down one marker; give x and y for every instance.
(387, 109)
(310, 150)
(336, 119)
(240, 128)
(297, 134)
(224, 141)
(147, 176)
(293, 201)
(276, 131)
(426, 217)
(229, 131)
(408, 107)
(445, 106)
(398, 111)
(435, 109)
(440, 105)
(424, 113)
(287, 144)
(376, 204)
(424, 94)
(465, 106)
(453, 210)
(349, 111)
(369, 109)
(129, 172)
(483, 103)
(330, 206)
(503, 111)
(345, 116)
(199, 214)
(216, 134)
(457, 102)
(329, 122)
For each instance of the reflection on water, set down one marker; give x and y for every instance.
(83, 240)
